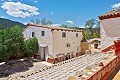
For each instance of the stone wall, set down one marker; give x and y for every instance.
(85, 46)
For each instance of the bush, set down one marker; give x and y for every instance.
(32, 46)
(11, 43)
(4, 55)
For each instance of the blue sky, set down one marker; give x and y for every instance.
(75, 12)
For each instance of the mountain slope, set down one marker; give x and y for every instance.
(6, 23)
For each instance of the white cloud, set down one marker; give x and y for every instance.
(56, 25)
(35, 1)
(51, 12)
(81, 26)
(2, 17)
(69, 21)
(117, 5)
(25, 23)
(18, 9)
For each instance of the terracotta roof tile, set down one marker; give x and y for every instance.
(53, 28)
(111, 14)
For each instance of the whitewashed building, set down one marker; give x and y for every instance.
(110, 28)
(54, 41)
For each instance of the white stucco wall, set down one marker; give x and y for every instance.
(56, 43)
(42, 40)
(110, 31)
(59, 42)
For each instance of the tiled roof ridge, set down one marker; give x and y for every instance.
(51, 27)
(110, 14)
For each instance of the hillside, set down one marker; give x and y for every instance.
(6, 23)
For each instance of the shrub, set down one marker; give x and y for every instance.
(11, 43)
(32, 46)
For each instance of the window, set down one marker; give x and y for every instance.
(76, 34)
(42, 33)
(68, 45)
(78, 48)
(33, 34)
(63, 34)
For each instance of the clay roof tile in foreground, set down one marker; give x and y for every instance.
(111, 14)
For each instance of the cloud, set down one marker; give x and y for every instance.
(51, 12)
(56, 25)
(81, 26)
(18, 9)
(69, 21)
(25, 23)
(35, 1)
(2, 17)
(117, 5)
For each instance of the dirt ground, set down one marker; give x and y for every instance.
(20, 68)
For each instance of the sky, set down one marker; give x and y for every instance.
(74, 12)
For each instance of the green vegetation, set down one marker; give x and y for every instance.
(92, 29)
(12, 44)
(6, 23)
(32, 46)
(42, 21)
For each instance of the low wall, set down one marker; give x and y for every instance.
(106, 70)
(85, 46)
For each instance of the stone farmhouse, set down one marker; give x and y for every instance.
(55, 42)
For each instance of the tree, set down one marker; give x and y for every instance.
(65, 26)
(1, 27)
(4, 54)
(32, 46)
(42, 21)
(92, 29)
(87, 33)
(90, 23)
(11, 43)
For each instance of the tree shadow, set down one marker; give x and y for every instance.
(19, 66)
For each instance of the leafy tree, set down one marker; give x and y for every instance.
(42, 21)
(65, 26)
(32, 46)
(87, 33)
(4, 54)
(90, 23)
(70, 27)
(92, 29)
(12, 43)
(1, 27)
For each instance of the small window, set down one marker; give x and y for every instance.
(42, 33)
(63, 34)
(33, 34)
(78, 48)
(76, 34)
(68, 45)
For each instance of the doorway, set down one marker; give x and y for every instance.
(43, 53)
